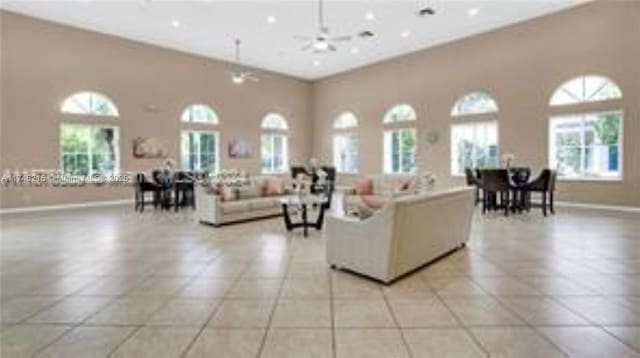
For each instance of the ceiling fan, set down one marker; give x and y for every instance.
(322, 42)
(238, 76)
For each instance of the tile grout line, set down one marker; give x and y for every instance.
(275, 305)
(396, 322)
(215, 311)
(458, 319)
(334, 348)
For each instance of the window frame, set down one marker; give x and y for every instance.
(272, 134)
(91, 113)
(582, 115)
(456, 114)
(472, 123)
(218, 157)
(587, 101)
(187, 112)
(386, 159)
(116, 146)
(352, 135)
(387, 119)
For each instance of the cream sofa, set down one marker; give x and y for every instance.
(407, 233)
(385, 186)
(211, 209)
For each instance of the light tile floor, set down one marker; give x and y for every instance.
(108, 282)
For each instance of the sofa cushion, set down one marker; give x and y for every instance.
(249, 192)
(232, 207)
(262, 203)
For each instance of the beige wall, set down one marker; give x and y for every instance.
(520, 66)
(42, 63)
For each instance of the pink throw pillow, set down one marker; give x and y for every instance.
(364, 187)
(228, 193)
(273, 187)
(374, 201)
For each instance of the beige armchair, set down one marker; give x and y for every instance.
(405, 234)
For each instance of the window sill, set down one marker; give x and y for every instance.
(591, 180)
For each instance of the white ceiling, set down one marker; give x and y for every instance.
(208, 27)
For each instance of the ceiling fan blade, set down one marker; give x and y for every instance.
(332, 48)
(307, 46)
(342, 38)
(302, 37)
(253, 78)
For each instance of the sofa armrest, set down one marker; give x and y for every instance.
(207, 206)
(361, 245)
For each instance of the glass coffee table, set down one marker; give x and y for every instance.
(303, 203)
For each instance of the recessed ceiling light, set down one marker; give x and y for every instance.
(271, 19)
(355, 50)
(316, 63)
(473, 11)
(405, 34)
(175, 23)
(370, 15)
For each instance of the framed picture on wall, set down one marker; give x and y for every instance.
(149, 147)
(240, 148)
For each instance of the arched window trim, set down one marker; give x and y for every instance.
(69, 107)
(582, 98)
(189, 114)
(345, 121)
(274, 122)
(492, 105)
(388, 115)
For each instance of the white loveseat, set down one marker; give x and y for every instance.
(407, 233)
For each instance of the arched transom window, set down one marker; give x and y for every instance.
(346, 143)
(345, 120)
(585, 89)
(274, 151)
(474, 103)
(587, 144)
(274, 121)
(400, 113)
(199, 113)
(89, 103)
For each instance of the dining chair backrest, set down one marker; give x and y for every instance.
(296, 170)
(331, 172)
(542, 182)
(470, 177)
(495, 180)
(552, 180)
(520, 175)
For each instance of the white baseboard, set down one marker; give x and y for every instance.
(90, 204)
(628, 209)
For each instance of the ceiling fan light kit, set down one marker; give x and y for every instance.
(322, 42)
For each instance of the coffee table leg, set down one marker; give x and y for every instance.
(287, 219)
(320, 218)
(305, 223)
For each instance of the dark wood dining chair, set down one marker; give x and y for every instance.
(184, 193)
(495, 184)
(143, 186)
(543, 184)
(473, 180)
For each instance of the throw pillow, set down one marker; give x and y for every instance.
(228, 193)
(364, 187)
(274, 187)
